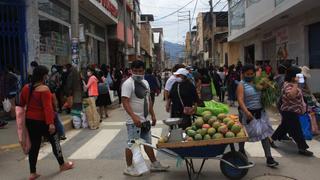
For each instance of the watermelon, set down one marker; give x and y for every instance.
(198, 137)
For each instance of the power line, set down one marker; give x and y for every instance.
(174, 11)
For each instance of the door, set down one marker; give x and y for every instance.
(314, 46)
(270, 52)
(249, 54)
(12, 36)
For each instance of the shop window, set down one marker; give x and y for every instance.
(314, 46)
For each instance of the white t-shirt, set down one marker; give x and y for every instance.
(136, 104)
(170, 82)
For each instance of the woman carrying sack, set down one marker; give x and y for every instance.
(252, 115)
(39, 120)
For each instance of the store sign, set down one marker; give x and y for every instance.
(109, 7)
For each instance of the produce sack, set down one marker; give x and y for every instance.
(76, 118)
(23, 134)
(306, 126)
(137, 159)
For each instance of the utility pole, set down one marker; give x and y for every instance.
(187, 17)
(75, 33)
(126, 59)
(212, 32)
(136, 8)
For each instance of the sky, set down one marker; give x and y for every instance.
(174, 29)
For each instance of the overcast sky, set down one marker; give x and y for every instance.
(174, 30)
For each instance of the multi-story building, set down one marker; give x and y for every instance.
(146, 40)
(277, 30)
(158, 48)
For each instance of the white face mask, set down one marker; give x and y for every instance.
(137, 77)
(179, 79)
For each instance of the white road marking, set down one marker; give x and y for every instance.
(95, 145)
(157, 132)
(47, 149)
(113, 123)
(314, 147)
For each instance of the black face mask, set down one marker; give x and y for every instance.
(248, 79)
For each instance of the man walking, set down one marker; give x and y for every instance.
(137, 104)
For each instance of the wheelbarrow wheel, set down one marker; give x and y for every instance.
(237, 159)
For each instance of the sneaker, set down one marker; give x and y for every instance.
(3, 124)
(305, 152)
(63, 138)
(157, 166)
(271, 162)
(131, 171)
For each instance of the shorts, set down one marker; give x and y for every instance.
(135, 133)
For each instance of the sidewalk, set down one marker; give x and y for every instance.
(9, 137)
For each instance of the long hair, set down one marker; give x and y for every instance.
(38, 74)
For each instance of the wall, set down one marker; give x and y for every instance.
(146, 38)
(233, 52)
(33, 36)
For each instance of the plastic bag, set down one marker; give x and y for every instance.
(137, 159)
(84, 120)
(6, 105)
(258, 129)
(306, 126)
(23, 134)
(213, 89)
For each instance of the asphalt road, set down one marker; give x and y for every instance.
(99, 154)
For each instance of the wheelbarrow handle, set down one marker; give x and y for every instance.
(250, 165)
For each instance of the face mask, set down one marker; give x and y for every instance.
(137, 77)
(179, 79)
(64, 70)
(248, 79)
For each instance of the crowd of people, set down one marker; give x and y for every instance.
(64, 88)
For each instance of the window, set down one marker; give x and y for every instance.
(278, 2)
(314, 46)
(237, 14)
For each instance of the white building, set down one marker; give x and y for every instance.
(278, 30)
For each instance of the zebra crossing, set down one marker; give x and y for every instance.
(110, 140)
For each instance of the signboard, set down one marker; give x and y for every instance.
(109, 7)
(75, 51)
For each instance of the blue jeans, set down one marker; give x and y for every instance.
(59, 125)
(135, 133)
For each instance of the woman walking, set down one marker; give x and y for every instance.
(292, 106)
(251, 109)
(40, 119)
(104, 99)
(231, 79)
(183, 97)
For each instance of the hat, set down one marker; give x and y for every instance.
(182, 71)
(189, 68)
(305, 71)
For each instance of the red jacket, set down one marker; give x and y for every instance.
(40, 105)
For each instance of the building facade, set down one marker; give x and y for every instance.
(277, 30)
(159, 51)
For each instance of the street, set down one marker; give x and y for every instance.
(99, 154)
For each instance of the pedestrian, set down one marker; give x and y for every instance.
(251, 109)
(154, 87)
(183, 97)
(206, 93)
(38, 100)
(117, 81)
(218, 83)
(172, 79)
(92, 89)
(55, 83)
(73, 89)
(222, 76)
(231, 79)
(137, 104)
(11, 83)
(292, 106)
(104, 99)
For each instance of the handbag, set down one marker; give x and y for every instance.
(306, 126)
(186, 110)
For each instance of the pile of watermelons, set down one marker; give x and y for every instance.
(208, 127)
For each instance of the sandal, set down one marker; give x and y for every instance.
(34, 176)
(66, 166)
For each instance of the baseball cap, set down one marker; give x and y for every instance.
(182, 71)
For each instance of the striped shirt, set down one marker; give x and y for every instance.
(292, 104)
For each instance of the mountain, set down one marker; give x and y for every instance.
(174, 50)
